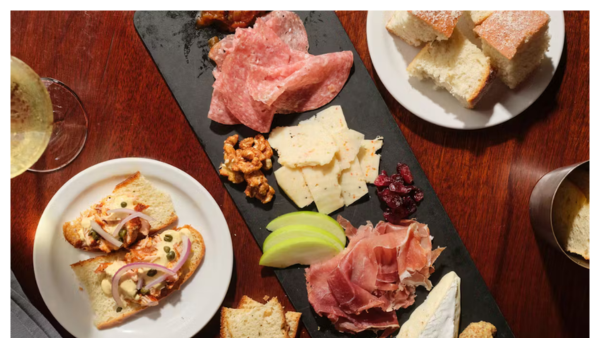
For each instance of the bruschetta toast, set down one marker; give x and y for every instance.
(134, 210)
(122, 283)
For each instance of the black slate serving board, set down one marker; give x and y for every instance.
(180, 52)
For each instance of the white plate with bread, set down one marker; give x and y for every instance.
(71, 270)
(469, 69)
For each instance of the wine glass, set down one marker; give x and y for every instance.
(48, 122)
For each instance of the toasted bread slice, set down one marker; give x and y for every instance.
(104, 307)
(253, 319)
(148, 199)
(456, 65)
(417, 27)
(292, 318)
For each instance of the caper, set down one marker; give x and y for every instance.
(119, 309)
(167, 249)
(168, 238)
(144, 291)
(123, 233)
(94, 235)
(123, 204)
(151, 272)
(171, 255)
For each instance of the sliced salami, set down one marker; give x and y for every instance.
(289, 27)
(301, 86)
(260, 47)
(218, 111)
(221, 49)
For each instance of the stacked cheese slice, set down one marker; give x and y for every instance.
(324, 161)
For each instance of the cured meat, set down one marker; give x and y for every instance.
(221, 49)
(375, 275)
(289, 27)
(266, 70)
(258, 46)
(218, 111)
(304, 85)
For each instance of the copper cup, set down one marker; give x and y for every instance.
(540, 207)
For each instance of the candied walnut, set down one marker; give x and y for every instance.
(245, 164)
(259, 187)
(226, 168)
(247, 160)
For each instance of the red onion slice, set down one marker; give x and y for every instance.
(186, 249)
(129, 218)
(140, 283)
(105, 234)
(140, 265)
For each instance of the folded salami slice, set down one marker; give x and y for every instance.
(301, 86)
(259, 47)
(218, 111)
(221, 50)
(289, 27)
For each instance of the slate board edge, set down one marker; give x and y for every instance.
(358, 63)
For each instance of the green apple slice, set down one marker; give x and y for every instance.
(309, 218)
(299, 250)
(296, 231)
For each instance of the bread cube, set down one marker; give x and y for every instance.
(417, 27)
(516, 42)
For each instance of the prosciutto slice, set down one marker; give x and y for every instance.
(377, 273)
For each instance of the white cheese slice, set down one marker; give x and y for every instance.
(438, 316)
(324, 186)
(305, 145)
(369, 160)
(331, 119)
(292, 183)
(349, 142)
(353, 184)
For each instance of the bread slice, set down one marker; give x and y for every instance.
(479, 330)
(417, 27)
(254, 319)
(292, 319)
(456, 65)
(571, 219)
(104, 307)
(156, 204)
(516, 42)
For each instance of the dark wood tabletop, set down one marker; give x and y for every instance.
(484, 178)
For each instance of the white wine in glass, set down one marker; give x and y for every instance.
(31, 117)
(47, 120)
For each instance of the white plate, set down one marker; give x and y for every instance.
(183, 313)
(391, 56)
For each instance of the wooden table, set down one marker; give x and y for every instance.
(483, 178)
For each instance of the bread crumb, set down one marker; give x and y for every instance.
(80, 288)
(266, 298)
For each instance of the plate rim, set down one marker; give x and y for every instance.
(97, 166)
(424, 116)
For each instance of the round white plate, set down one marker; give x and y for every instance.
(391, 56)
(183, 313)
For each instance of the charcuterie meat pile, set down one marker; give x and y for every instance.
(377, 273)
(267, 69)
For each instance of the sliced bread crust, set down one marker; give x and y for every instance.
(104, 306)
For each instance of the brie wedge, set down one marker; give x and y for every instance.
(438, 316)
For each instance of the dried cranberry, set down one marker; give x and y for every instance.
(417, 194)
(404, 170)
(392, 199)
(396, 215)
(410, 204)
(382, 180)
(400, 188)
(397, 178)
